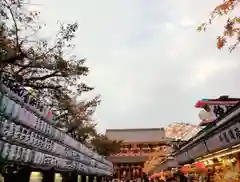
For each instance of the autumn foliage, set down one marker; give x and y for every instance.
(154, 159)
(231, 28)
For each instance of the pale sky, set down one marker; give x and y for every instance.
(146, 59)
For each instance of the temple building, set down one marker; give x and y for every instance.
(138, 147)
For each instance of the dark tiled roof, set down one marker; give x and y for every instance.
(136, 129)
(128, 159)
(137, 135)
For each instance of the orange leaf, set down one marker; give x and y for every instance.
(221, 41)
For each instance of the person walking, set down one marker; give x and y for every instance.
(190, 177)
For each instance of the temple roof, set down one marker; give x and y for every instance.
(128, 159)
(137, 135)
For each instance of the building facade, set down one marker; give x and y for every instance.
(138, 147)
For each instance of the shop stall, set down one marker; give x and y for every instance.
(214, 152)
(165, 169)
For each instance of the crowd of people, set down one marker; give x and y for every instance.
(191, 177)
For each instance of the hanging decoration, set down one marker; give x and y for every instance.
(200, 166)
(185, 169)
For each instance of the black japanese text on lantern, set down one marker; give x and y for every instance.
(221, 110)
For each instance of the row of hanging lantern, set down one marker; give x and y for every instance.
(21, 154)
(25, 124)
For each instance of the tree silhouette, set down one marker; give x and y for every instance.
(105, 146)
(46, 65)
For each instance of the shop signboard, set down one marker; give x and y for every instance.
(197, 150)
(182, 157)
(225, 138)
(221, 109)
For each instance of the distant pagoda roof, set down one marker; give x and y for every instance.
(128, 159)
(135, 135)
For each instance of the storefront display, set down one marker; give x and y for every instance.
(219, 169)
(225, 169)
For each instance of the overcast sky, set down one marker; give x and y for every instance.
(146, 59)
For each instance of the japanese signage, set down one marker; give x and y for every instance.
(220, 109)
(226, 138)
(198, 150)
